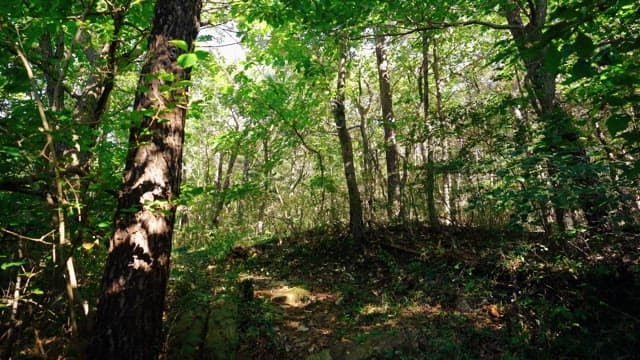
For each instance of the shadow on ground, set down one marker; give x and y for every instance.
(408, 293)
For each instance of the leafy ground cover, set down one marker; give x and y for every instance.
(410, 292)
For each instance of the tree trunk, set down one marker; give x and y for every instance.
(446, 187)
(246, 166)
(53, 55)
(262, 209)
(131, 302)
(222, 191)
(388, 122)
(367, 158)
(430, 181)
(561, 136)
(356, 225)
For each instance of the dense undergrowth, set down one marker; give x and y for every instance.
(408, 292)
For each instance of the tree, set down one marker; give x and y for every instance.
(430, 176)
(539, 55)
(356, 225)
(70, 72)
(388, 122)
(134, 284)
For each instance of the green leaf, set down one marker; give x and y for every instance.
(183, 83)
(180, 44)
(552, 59)
(584, 45)
(631, 137)
(617, 123)
(187, 60)
(104, 224)
(326, 182)
(37, 291)
(202, 54)
(167, 76)
(8, 265)
(581, 69)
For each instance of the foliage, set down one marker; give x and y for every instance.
(262, 158)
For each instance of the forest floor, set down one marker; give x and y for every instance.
(410, 292)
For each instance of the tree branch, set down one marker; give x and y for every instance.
(445, 25)
(38, 240)
(22, 186)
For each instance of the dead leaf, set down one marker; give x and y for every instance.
(493, 311)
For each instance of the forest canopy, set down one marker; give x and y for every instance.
(417, 136)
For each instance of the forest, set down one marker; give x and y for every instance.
(319, 179)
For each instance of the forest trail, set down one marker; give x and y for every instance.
(407, 293)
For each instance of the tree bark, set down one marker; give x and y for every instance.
(446, 186)
(266, 154)
(356, 225)
(388, 122)
(131, 301)
(430, 176)
(367, 158)
(224, 187)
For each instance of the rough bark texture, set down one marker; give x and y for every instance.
(561, 136)
(131, 302)
(388, 120)
(355, 204)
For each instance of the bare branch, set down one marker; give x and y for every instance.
(22, 186)
(445, 25)
(38, 240)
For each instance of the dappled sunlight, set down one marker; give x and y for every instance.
(302, 296)
(288, 296)
(370, 309)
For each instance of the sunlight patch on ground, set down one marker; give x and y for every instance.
(371, 309)
(287, 296)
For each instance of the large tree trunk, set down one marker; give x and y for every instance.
(356, 225)
(561, 135)
(388, 120)
(133, 289)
